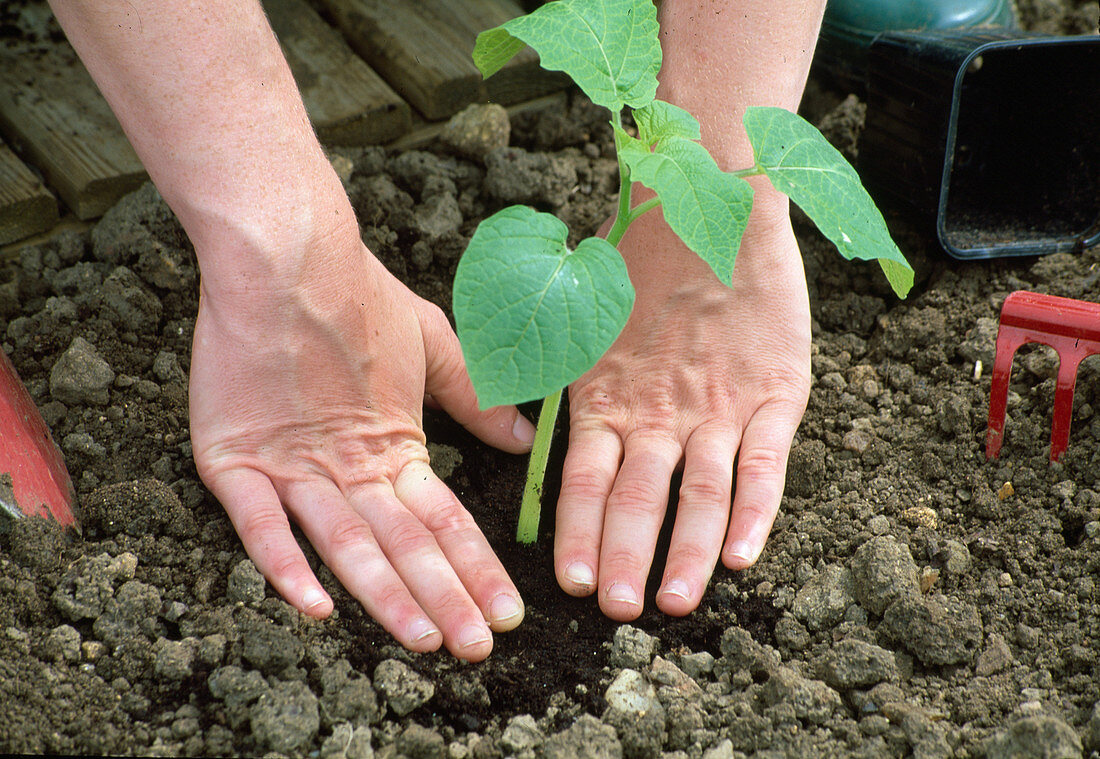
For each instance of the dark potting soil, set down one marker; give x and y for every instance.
(914, 599)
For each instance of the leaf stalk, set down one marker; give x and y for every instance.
(528, 530)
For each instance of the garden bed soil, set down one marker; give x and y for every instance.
(914, 599)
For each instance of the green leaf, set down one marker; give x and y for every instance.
(705, 206)
(532, 315)
(660, 121)
(608, 47)
(801, 163)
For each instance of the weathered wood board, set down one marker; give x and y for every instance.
(423, 48)
(348, 103)
(51, 111)
(26, 206)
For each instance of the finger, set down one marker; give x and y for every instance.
(346, 544)
(635, 509)
(416, 556)
(591, 464)
(465, 547)
(258, 517)
(702, 514)
(447, 382)
(761, 471)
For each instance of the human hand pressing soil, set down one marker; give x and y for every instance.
(307, 404)
(702, 373)
(310, 362)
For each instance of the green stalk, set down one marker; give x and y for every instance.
(529, 510)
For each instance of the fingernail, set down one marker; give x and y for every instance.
(523, 430)
(313, 598)
(504, 608)
(420, 628)
(744, 551)
(622, 593)
(474, 635)
(580, 574)
(677, 588)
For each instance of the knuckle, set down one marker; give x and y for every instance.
(447, 517)
(258, 524)
(636, 499)
(349, 535)
(705, 491)
(406, 537)
(692, 557)
(621, 560)
(585, 484)
(285, 564)
(761, 463)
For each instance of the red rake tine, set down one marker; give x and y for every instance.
(1071, 327)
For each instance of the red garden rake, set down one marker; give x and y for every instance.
(1071, 327)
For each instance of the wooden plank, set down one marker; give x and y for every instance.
(423, 48)
(52, 113)
(348, 103)
(26, 206)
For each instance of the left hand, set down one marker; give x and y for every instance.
(702, 373)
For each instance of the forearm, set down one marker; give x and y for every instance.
(723, 56)
(209, 104)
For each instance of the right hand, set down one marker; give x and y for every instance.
(306, 403)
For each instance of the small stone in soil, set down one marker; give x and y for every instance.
(631, 647)
(80, 377)
(245, 584)
(285, 718)
(1039, 736)
(403, 688)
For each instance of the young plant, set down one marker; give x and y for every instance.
(532, 315)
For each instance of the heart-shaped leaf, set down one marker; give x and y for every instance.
(608, 47)
(532, 315)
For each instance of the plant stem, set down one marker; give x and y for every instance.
(529, 510)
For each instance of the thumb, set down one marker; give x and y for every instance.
(447, 381)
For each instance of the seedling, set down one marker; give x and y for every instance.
(533, 315)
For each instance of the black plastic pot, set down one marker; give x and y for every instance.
(992, 132)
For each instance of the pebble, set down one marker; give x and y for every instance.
(921, 516)
(1036, 737)
(821, 602)
(348, 695)
(476, 130)
(883, 571)
(175, 658)
(419, 742)
(269, 647)
(936, 629)
(853, 663)
(696, 665)
(80, 377)
(741, 652)
(812, 700)
(245, 584)
(62, 644)
(521, 734)
(636, 713)
(403, 688)
(587, 738)
(994, 658)
(285, 718)
(632, 648)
